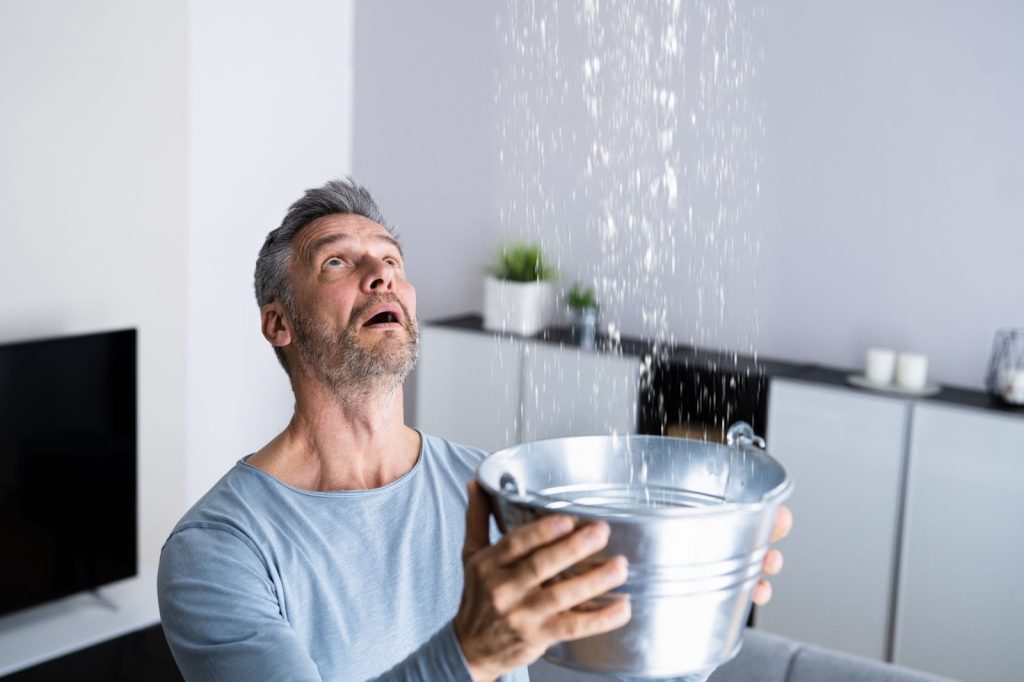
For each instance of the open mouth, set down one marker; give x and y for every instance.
(383, 318)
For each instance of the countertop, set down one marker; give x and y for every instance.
(690, 357)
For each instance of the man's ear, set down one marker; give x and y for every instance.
(275, 324)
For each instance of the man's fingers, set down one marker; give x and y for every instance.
(533, 535)
(783, 523)
(548, 561)
(571, 625)
(477, 521)
(772, 563)
(762, 592)
(565, 594)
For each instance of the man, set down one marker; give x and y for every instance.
(333, 552)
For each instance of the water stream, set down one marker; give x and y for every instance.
(629, 145)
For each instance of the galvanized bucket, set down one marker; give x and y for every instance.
(693, 519)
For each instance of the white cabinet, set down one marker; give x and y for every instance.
(492, 391)
(961, 603)
(468, 387)
(907, 543)
(572, 392)
(845, 452)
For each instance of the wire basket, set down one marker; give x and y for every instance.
(1006, 368)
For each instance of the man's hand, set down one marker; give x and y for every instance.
(509, 613)
(772, 563)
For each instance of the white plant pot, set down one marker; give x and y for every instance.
(518, 307)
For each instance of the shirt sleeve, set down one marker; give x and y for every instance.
(222, 620)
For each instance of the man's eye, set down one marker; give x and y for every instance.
(333, 262)
(393, 262)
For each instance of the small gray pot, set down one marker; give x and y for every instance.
(584, 326)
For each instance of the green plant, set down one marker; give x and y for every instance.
(581, 298)
(522, 262)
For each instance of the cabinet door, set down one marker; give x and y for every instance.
(845, 451)
(467, 387)
(961, 603)
(571, 392)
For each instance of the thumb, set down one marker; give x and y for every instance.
(478, 535)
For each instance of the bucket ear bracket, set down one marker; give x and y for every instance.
(509, 485)
(741, 434)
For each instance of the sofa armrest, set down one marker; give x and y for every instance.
(813, 664)
(764, 657)
(770, 658)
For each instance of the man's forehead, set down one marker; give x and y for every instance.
(351, 223)
(336, 227)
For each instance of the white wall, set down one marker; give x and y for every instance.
(92, 204)
(106, 108)
(891, 162)
(146, 149)
(270, 114)
(893, 203)
(425, 139)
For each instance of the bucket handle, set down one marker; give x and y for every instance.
(509, 485)
(741, 434)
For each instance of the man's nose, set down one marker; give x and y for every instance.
(380, 276)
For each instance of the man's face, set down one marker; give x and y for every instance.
(354, 316)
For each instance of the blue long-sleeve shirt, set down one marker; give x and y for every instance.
(261, 580)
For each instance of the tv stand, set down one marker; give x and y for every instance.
(46, 632)
(104, 600)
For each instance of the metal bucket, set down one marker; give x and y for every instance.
(693, 519)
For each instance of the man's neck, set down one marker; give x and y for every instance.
(333, 444)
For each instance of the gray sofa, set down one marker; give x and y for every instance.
(770, 658)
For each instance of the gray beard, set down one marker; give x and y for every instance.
(353, 372)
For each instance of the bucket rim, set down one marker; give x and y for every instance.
(598, 512)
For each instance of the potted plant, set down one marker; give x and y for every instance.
(583, 308)
(519, 290)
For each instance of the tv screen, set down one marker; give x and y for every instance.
(67, 466)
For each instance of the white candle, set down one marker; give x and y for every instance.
(880, 365)
(912, 371)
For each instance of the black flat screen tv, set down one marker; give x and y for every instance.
(68, 511)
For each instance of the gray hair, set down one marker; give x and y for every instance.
(272, 281)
